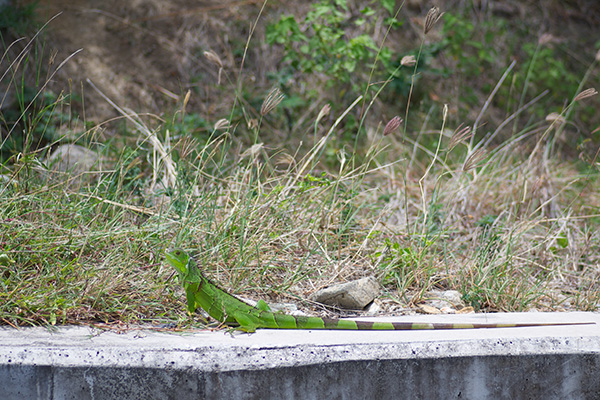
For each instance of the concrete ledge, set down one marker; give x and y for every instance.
(559, 362)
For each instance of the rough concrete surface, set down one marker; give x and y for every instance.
(558, 362)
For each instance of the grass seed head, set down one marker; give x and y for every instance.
(216, 60)
(585, 94)
(474, 159)
(433, 16)
(555, 117)
(221, 124)
(408, 61)
(459, 135)
(545, 39)
(324, 112)
(392, 126)
(271, 101)
(252, 124)
(213, 58)
(186, 99)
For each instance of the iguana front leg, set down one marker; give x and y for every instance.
(190, 295)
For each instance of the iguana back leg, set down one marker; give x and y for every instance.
(248, 323)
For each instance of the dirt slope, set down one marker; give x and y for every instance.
(142, 54)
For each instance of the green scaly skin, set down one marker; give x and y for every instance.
(223, 307)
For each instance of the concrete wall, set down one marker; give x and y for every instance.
(566, 376)
(544, 362)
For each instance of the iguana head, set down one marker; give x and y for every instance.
(179, 260)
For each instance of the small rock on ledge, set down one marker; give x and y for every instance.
(354, 295)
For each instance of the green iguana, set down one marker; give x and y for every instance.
(226, 308)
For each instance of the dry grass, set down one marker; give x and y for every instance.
(510, 233)
(509, 225)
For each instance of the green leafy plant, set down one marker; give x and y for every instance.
(397, 263)
(548, 71)
(471, 47)
(325, 47)
(335, 43)
(17, 19)
(333, 46)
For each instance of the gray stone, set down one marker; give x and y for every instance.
(354, 295)
(443, 299)
(71, 161)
